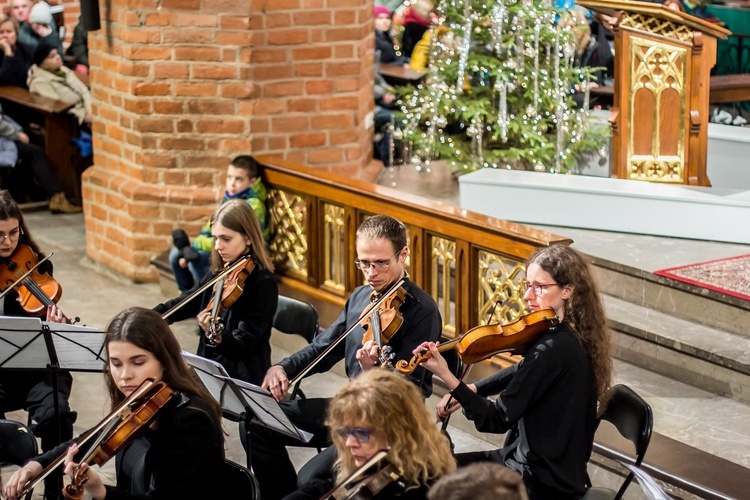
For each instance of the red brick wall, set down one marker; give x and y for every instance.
(182, 86)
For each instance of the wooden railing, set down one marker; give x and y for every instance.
(468, 262)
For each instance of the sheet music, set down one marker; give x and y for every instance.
(268, 411)
(22, 345)
(208, 370)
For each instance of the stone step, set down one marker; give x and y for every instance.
(705, 357)
(682, 300)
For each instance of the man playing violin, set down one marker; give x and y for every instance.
(381, 244)
(32, 391)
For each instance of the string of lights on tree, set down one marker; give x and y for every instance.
(498, 92)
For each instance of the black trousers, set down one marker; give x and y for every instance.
(269, 459)
(33, 392)
(33, 164)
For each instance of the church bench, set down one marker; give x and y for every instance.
(60, 128)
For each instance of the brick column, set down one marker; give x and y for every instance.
(182, 86)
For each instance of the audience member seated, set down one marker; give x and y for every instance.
(385, 102)
(40, 27)
(417, 20)
(79, 48)
(19, 10)
(49, 78)
(15, 57)
(590, 53)
(22, 162)
(478, 481)
(420, 56)
(380, 410)
(190, 263)
(384, 45)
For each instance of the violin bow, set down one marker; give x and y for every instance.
(212, 282)
(108, 421)
(354, 476)
(19, 280)
(372, 307)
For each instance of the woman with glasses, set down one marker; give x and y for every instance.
(548, 403)
(34, 390)
(380, 410)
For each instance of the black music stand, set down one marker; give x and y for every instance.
(30, 344)
(242, 401)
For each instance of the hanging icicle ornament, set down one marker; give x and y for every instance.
(499, 14)
(501, 89)
(477, 153)
(463, 50)
(537, 35)
(520, 40)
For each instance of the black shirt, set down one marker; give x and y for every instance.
(422, 322)
(548, 403)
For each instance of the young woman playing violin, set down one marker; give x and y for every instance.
(380, 410)
(548, 402)
(243, 347)
(34, 390)
(177, 455)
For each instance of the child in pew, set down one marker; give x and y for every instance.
(49, 78)
(190, 262)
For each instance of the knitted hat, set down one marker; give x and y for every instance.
(382, 9)
(42, 51)
(40, 14)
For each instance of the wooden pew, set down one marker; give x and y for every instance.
(723, 88)
(398, 75)
(59, 127)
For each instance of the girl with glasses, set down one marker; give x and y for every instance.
(34, 391)
(380, 410)
(548, 403)
(181, 452)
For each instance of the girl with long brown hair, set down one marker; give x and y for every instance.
(244, 347)
(180, 450)
(548, 402)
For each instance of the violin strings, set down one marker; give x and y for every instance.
(37, 292)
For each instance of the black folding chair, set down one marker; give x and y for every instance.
(17, 445)
(238, 482)
(294, 317)
(634, 420)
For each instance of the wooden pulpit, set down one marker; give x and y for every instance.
(663, 60)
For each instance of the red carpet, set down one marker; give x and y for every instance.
(730, 276)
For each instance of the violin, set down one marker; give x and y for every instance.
(226, 292)
(366, 322)
(117, 430)
(381, 324)
(366, 481)
(36, 291)
(484, 341)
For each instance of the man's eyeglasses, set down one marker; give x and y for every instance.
(360, 434)
(538, 288)
(12, 235)
(379, 265)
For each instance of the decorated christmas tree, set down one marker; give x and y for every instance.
(499, 91)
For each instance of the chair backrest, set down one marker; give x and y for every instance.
(17, 444)
(238, 482)
(634, 420)
(296, 317)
